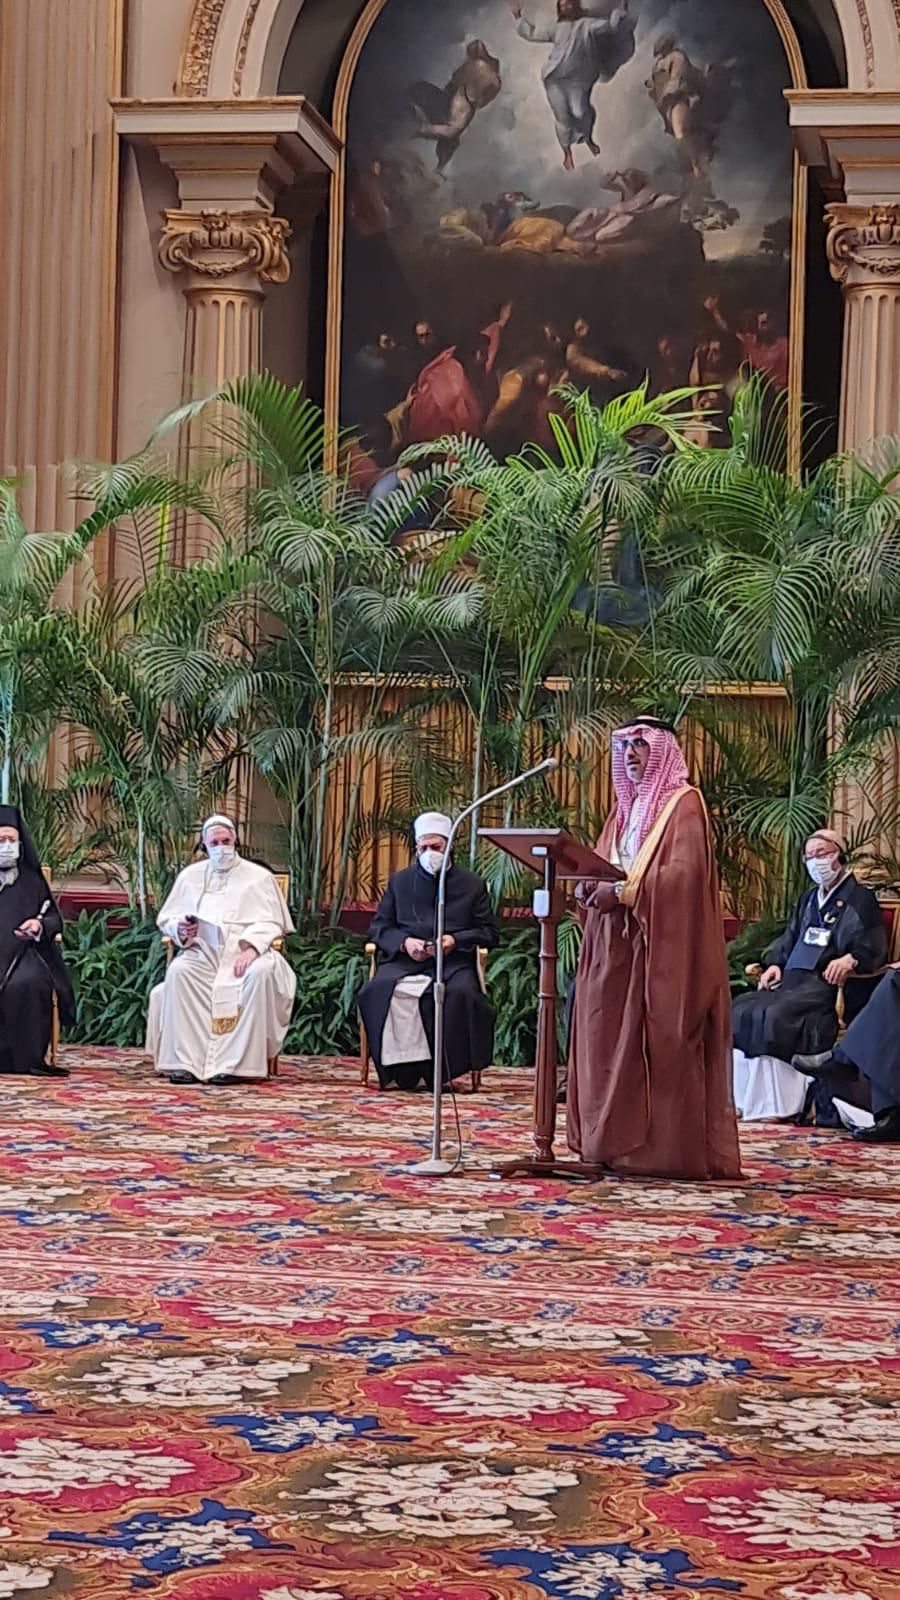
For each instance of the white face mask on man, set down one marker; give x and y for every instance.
(431, 861)
(824, 870)
(9, 853)
(221, 856)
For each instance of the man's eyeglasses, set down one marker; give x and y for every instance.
(627, 742)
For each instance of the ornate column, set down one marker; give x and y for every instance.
(852, 144)
(864, 255)
(228, 258)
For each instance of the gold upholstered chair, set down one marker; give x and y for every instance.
(283, 881)
(365, 1058)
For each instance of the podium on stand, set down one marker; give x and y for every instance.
(555, 856)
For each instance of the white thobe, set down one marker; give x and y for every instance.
(404, 1038)
(202, 1019)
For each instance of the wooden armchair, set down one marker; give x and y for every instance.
(365, 1060)
(283, 881)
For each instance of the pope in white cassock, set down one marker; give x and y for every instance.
(226, 1002)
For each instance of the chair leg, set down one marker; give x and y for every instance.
(363, 1057)
(273, 1066)
(54, 1032)
(476, 1082)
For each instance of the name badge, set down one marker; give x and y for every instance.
(817, 936)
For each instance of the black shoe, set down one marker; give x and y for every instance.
(820, 1066)
(182, 1077)
(886, 1129)
(44, 1070)
(225, 1080)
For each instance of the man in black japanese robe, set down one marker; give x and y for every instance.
(397, 1005)
(31, 966)
(836, 929)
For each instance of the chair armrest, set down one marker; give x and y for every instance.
(879, 972)
(278, 945)
(372, 952)
(754, 970)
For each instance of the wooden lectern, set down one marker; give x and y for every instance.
(556, 857)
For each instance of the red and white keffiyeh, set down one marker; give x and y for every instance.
(666, 772)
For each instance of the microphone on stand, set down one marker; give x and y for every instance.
(435, 1165)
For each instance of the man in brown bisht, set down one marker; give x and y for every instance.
(649, 1088)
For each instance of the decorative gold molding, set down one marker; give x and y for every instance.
(868, 46)
(240, 60)
(219, 244)
(865, 237)
(196, 58)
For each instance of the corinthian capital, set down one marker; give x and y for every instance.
(221, 244)
(863, 244)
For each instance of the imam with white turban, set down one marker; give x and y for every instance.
(397, 1005)
(206, 1021)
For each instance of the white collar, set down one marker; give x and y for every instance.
(824, 895)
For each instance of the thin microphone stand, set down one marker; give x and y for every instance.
(436, 1166)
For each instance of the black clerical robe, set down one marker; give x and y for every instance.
(408, 911)
(30, 972)
(800, 1018)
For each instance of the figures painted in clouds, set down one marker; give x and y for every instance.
(445, 115)
(692, 101)
(224, 1008)
(584, 51)
(663, 239)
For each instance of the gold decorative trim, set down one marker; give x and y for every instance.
(218, 244)
(631, 886)
(223, 1025)
(868, 45)
(865, 237)
(240, 60)
(196, 57)
(340, 118)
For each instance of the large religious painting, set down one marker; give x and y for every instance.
(561, 191)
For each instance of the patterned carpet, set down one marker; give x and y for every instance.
(244, 1355)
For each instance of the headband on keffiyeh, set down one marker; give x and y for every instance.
(666, 772)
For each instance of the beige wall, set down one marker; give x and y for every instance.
(152, 307)
(156, 30)
(59, 64)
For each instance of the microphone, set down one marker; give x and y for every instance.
(435, 1165)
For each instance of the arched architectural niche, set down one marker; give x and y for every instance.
(236, 48)
(796, 78)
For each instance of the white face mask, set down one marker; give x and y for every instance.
(824, 870)
(9, 853)
(221, 856)
(432, 861)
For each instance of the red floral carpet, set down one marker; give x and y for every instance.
(244, 1355)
